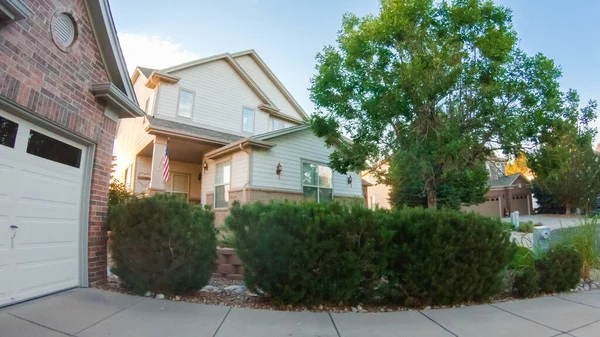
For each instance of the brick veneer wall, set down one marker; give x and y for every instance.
(229, 265)
(54, 84)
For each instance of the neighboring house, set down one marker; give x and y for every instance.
(233, 132)
(508, 193)
(377, 195)
(63, 86)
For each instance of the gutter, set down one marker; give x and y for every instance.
(116, 99)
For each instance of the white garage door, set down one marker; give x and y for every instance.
(41, 179)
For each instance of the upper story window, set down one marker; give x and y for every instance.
(186, 103)
(277, 124)
(248, 120)
(317, 182)
(222, 182)
(150, 104)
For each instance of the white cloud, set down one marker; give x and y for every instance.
(152, 51)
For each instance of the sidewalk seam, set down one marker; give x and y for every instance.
(109, 316)
(568, 300)
(438, 324)
(527, 319)
(38, 324)
(222, 321)
(334, 325)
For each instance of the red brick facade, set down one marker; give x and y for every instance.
(35, 73)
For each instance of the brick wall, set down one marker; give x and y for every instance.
(35, 73)
(228, 265)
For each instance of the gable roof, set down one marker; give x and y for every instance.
(280, 132)
(506, 181)
(114, 63)
(263, 66)
(146, 71)
(236, 66)
(163, 126)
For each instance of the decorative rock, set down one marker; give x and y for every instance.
(428, 307)
(359, 308)
(177, 298)
(320, 306)
(586, 287)
(354, 309)
(240, 290)
(160, 296)
(148, 294)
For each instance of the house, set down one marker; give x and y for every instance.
(508, 193)
(233, 132)
(63, 87)
(377, 195)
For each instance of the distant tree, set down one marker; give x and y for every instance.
(439, 86)
(566, 167)
(518, 165)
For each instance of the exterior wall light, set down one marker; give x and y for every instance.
(349, 180)
(279, 169)
(205, 166)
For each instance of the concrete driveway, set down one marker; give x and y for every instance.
(93, 312)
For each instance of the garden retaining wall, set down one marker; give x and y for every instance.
(228, 265)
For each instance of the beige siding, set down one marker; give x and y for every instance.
(239, 173)
(130, 139)
(220, 95)
(141, 91)
(267, 85)
(290, 151)
(143, 167)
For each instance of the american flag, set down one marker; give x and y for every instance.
(165, 164)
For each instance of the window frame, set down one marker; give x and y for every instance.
(307, 161)
(172, 181)
(179, 102)
(244, 109)
(225, 184)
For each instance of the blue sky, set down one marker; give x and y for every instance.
(288, 34)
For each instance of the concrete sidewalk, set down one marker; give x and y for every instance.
(93, 312)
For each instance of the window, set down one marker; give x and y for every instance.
(53, 149)
(317, 182)
(186, 103)
(275, 124)
(222, 182)
(179, 185)
(8, 132)
(286, 125)
(150, 104)
(248, 120)
(127, 179)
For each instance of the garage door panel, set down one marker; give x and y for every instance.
(41, 181)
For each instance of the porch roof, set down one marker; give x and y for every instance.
(170, 128)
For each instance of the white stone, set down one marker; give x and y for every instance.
(586, 287)
(160, 296)
(354, 309)
(148, 294)
(359, 308)
(232, 289)
(210, 289)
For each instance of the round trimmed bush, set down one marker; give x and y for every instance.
(559, 269)
(444, 257)
(526, 282)
(307, 252)
(162, 244)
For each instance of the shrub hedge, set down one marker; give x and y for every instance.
(312, 253)
(307, 252)
(444, 257)
(162, 244)
(559, 269)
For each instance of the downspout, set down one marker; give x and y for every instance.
(248, 182)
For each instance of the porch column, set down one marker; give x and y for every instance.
(156, 179)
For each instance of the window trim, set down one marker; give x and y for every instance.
(308, 161)
(172, 181)
(179, 99)
(244, 108)
(229, 159)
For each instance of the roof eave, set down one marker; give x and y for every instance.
(158, 76)
(161, 131)
(116, 100)
(238, 146)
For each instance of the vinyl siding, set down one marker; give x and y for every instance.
(267, 85)
(220, 95)
(291, 150)
(239, 173)
(129, 141)
(142, 92)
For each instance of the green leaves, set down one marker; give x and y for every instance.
(443, 81)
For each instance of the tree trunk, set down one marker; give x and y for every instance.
(568, 208)
(431, 198)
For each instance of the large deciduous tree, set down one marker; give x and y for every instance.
(435, 87)
(566, 167)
